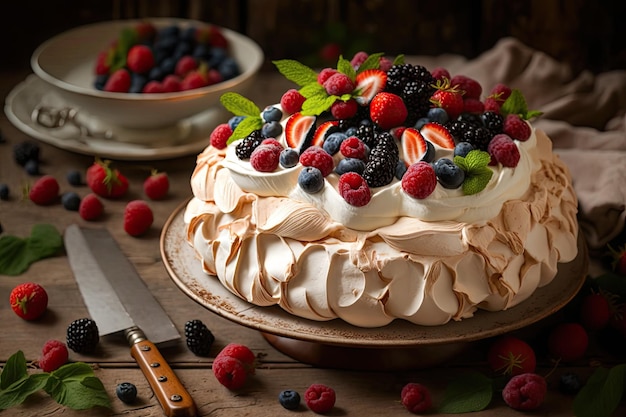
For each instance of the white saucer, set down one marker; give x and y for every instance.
(22, 104)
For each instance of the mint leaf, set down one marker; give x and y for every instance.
(345, 67)
(477, 174)
(296, 72)
(74, 385)
(516, 104)
(602, 393)
(14, 370)
(239, 105)
(313, 90)
(316, 105)
(469, 393)
(245, 127)
(398, 60)
(21, 389)
(371, 62)
(16, 254)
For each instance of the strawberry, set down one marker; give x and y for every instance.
(368, 84)
(171, 83)
(105, 181)
(156, 185)
(152, 87)
(438, 135)
(44, 191)
(140, 59)
(509, 355)
(194, 79)
(299, 131)
(568, 342)
(323, 130)
(185, 65)
(448, 97)
(90, 207)
(138, 218)
(29, 300)
(388, 110)
(118, 82)
(595, 311)
(414, 146)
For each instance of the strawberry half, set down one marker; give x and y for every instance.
(323, 131)
(368, 84)
(438, 135)
(414, 146)
(299, 131)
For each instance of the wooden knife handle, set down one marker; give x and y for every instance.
(170, 392)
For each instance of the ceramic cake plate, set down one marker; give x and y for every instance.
(38, 111)
(336, 344)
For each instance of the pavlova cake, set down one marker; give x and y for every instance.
(381, 190)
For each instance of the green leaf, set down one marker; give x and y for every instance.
(239, 105)
(399, 60)
(602, 393)
(16, 393)
(316, 105)
(345, 67)
(611, 282)
(296, 72)
(471, 392)
(126, 40)
(371, 62)
(14, 370)
(477, 174)
(17, 254)
(245, 127)
(313, 90)
(74, 385)
(516, 104)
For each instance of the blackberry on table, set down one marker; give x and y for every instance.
(83, 335)
(244, 149)
(26, 151)
(198, 337)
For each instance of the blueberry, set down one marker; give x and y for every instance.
(289, 158)
(438, 115)
(228, 68)
(272, 114)
(70, 201)
(448, 173)
(400, 169)
(188, 34)
(100, 81)
(32, 167)
(289, 399)
(171, 31)
(126, 392)
(429, 156)
(216, 57)
(156, 74)
(25, 151)
(271, 129)
(4, 192)
(74, 177)
(201, 52)
(234, 121)
(463, 148)
(350, 165)
(333, 142)
(421, 122)
(181, 50)
(351, 131)
(311, 180)
(168, 65)
(569, 384)
(137, 82)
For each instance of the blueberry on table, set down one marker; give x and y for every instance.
(126, 392)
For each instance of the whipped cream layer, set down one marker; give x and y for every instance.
(426, 261)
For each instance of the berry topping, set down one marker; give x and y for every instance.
(504, 151)
(473, 105)
(44, 191)
(463, 148)
(449, 98)
(516, 128)
(325, 74)
(271, 129)
(568, 342)
(299, 131)
(156, 186)
(198, 337)
(126, 392)
(368, 84)
(311, 180)
(440, 73)
(525, 392)
(449, 174)
(54, 354)
(320, 398)
(317, 157)
(288, 158)
(500, 92)
(416, 398)
(509, 355)
(437, 115)
(471, 88)
(353, 188)
(272, 114)
(333, 142)
(291, 101)
(138, 217)
(387, 110)
(381, 164)
(338, 84)
(244, 147)
(350, 165)
(344, 109)
(438, 135)
(353, 147)
(29, 300)
(323, 131)
(358, 59)
(420, 180)
(83, 335)
(265, 158)
(289, 399)
(219, 135)
(414, 146)
(90, 207)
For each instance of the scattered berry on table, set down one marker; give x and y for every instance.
(311, 180)
(504, 150)
(595, 312)
(157, 185)
(230, 372)
(320, 398)
(568, 342)
(289, 399)
(219, 136)
(353, 188)
(26, 151)
(126, 392)
(74, 177)
(70, 201)
(525, 392)
(420, 180)
(198, 337)
(29, 300)
(509, 355)
(83, 335)
(570, 383)
(54, 354)
(416, 398)
(32, 167)
(242, 353)
(106, 181)
(4, 192)
(44, 191)
(288, 158)
(138, 217)
(90, 207)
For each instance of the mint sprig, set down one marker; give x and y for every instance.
(477, 173)
(296, 72)
(17, 254)
(73, 385)
(238, 105)
(516, 104)
(602, 393)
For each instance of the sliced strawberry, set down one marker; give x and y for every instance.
(323, 131)
(397, 132)
(414, 146)
(438, 135)
(299, 131)
(368, 84)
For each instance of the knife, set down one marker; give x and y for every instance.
(119, 301)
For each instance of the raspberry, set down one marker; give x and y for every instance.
(230, 372)
(353, 147)
(595, 312)
(492, 105)
(416, 398)
(325, 74)
(219, 135)
(320, 398)
(316, 157)
(138, 217)
(265, 158)
(242, 353)
(152, 87)
(473, 105)
(343, 110)
(273, 143)
(516, 128)
(568, 342)
(338, 84)
(387, 110)
(44, 191)
(156, 186)
(420, 180)
(54, 354)
(171, 83)
(198, 337)
(185, 65)
(500, 92)
(90, 207)
(358, 59)
(126, 392)
(289, 399)
(83, 335)
(525, 392)
(503, 150)
(440, 73)
(140, 59)
(354, 189)
(291, 101)
(472, 88)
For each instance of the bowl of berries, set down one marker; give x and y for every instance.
(146, 74)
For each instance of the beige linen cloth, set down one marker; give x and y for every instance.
(584, 115)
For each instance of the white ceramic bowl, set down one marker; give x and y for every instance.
(67, 63)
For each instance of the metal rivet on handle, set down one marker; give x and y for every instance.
(155, 364)
(162, 378)
(176, 398)
(145, 348)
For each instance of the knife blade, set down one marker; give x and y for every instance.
(119, 301)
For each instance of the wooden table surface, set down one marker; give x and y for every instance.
(359, 393)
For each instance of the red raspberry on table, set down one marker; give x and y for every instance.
(118, 82)
(106, 181)
(291, 101)
(90, 208)
(509, 355)
(595, 312)
(54, 354)
(338, 84)
(171, 83)
(185, 65)
(29, 300)
(265, 158)
(440, 73)
(138, 217)
(140, 59)
(568, 342)
(343, 110)
(387, 110)
(220, 135)
(419, 180)
(44, 191)
(314, 156)
(516, 128)
(353, 147)
(354, 189)
(230, 372)
(242, 353)
(525, 392)
(157, 185)
(416, 398)
(320, 398)
(470, 86)
(504, 150)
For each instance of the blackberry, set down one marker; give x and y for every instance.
(463, 131)
(381, 166)
(83, 335)
(366, 132)
(399, 75)
(493, 121)
(244, 149)
(198, 337)
(414, 83)
(471, 118)
(26, 151)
